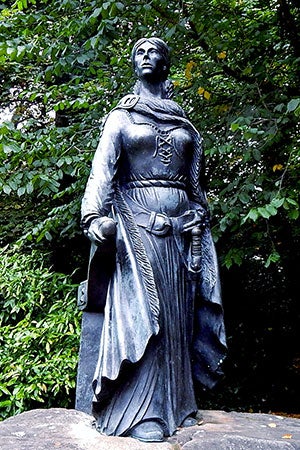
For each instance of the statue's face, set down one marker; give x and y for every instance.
(148, 62)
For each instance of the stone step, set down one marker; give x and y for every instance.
(69, 429)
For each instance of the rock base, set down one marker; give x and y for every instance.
(64, 429)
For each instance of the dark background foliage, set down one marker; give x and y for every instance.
(63, 65)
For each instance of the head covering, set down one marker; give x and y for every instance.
(161, 47)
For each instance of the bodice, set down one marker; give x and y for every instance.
(152, 151)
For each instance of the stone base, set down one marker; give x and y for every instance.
(63, 429)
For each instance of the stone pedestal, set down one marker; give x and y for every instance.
(73, 430)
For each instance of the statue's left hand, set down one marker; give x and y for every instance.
(199, 220)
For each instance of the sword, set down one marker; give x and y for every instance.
(196, 249)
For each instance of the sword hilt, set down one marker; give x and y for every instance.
(196, 248)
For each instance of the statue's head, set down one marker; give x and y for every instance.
(162, 49)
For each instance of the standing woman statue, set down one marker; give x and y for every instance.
(163, 321)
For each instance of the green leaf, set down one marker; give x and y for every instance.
(234, 256)
(83, 58)
(253, 214)
(272, 258)
(280, 107)
(21, 191)
(29, 188)
(96, 13)
(234, 126)
(244, 197)
(291, 201)
(4, 390)
(277, 202)
(271, 209)
(7, 189)
(294, 214)
(293, 104)
(256, 154)
(11, 148)
(262, 211)
(5, 403)
(170, 32)
(120, 6)
(48, 236)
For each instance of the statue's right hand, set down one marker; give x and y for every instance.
(101, 229)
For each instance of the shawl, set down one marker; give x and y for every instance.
(209, 342)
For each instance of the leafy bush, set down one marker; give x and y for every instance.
(39, 334)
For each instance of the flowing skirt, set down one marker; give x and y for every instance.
(159, 386)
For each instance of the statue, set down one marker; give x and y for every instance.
(153, 269)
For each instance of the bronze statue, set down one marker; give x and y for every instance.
(153, 268)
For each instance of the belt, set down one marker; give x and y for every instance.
(154, 183)
(160, 224)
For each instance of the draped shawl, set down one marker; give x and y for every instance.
(132, 308)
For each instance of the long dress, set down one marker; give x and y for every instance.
(163, 324)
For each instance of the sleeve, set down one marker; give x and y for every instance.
(97, 199)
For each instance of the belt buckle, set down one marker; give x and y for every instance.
(159, 224)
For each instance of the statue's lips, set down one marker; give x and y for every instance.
(145, 66)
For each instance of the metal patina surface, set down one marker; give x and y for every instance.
(153, 274)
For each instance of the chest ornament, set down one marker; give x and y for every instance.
(164, 148)
(165, 145)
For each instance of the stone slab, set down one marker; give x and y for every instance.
(241, 431)
(63, 429)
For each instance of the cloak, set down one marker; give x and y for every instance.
(131, 311)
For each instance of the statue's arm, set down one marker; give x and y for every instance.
(97, 199)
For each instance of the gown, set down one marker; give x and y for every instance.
(163, 323)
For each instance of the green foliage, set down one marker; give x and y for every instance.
(235, 65)
(39, 332)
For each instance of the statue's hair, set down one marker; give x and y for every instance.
(162, 48)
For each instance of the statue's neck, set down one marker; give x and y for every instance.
(151, 90)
